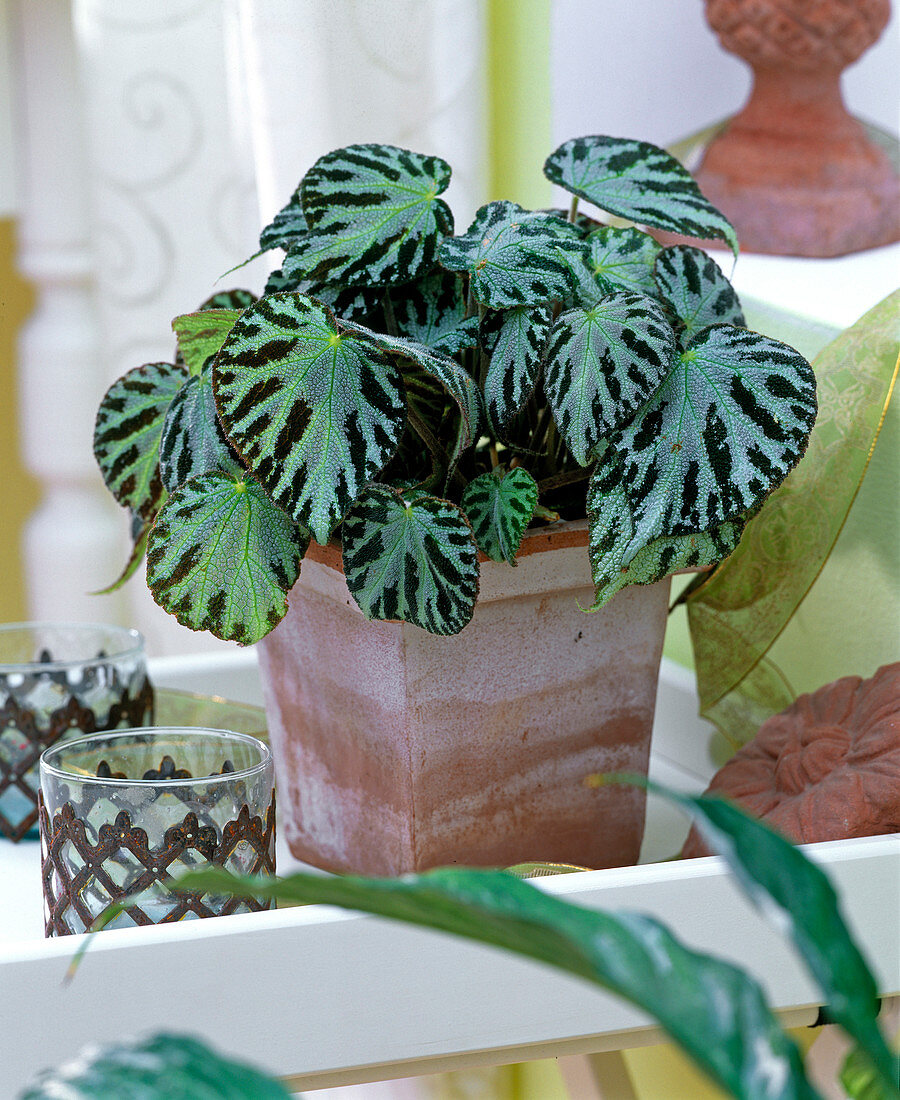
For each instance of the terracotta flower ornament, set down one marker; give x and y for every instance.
(826, 768)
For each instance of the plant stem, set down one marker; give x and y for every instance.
(573, 209)
(559, 481)
(389, 316)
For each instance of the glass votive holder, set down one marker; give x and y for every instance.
(123, 814)
(61, 680)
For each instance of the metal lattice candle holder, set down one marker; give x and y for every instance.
(123, 814)
(61, 680)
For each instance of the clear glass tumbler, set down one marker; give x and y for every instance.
(61, 680)
(122, 814)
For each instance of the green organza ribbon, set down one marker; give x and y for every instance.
(738, 614)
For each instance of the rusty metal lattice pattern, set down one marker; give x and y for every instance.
(25, 735)
(80, 878)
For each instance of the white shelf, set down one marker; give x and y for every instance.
(327, 997)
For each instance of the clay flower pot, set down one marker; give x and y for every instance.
(793, 171)
(826, 768)
(397, 750)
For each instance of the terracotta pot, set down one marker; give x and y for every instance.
(396, 750)
(794, 172)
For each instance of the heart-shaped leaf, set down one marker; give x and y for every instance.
(454, 378)
(229, 299)
(516, 257)
(127, 431)
(433, 312)
(612, 537)
(515, 339)
(500, 507)
(374, 216)
(160, 1067)
(411, 557)
(602, 364)
(314, 411)
(639, 181)
(775, 874)
(193, 441)
(201, 334)
(622, 259)
(726, 426)
(715, 1012)
(693, 285)
(287, 225)
(221, 557)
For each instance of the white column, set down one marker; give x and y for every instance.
(71, 542)
(321, 74)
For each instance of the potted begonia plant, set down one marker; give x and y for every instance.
(411, 413)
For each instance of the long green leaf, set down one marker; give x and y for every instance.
(201, 334)
(640, 181)
(726, 426)
(161, 1067)
(693, 285)
(500, 507)
(127, 433)
(515, 340)
(411, 557)
(221, 557)
(192, 440)
(314, 411)
(516, 257)
(714, 1011)
(374, 216)
(773, 872)
(602, 364)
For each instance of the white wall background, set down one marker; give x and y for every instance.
(652, 69)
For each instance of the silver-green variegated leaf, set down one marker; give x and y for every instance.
(638, 181)
(500, 507)
(515, 340)
(193, 441)
(314, 411)
(433, 312)
(612, 538)
(727, 425)
(229, 299)
(201, 334)
(602, 364)
(288, 224)
(456, 381)
(374, 216)
(353, 303)
(622, 259)
(516, 257)
(127, 432)
(411, 557)
(693, 286)
(221, 557)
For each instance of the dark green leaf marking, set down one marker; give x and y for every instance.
(411, 557)
(728, 423)
(639, 181)
(693, 286)
(201, 334)
(221, 557)
(500, 507)
(160, 1067)
(515, 339)
(516, 257)
(602, 364)
(193, 441)
(374, 216)
(314, 411)
(127, 432)
(715, 1012)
